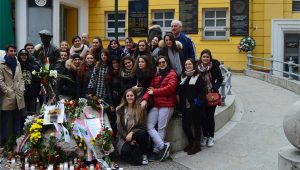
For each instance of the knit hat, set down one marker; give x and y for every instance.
(75, 55)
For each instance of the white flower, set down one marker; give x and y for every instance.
(53, 73)
(33, 72)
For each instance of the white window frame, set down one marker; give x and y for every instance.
(164, 29)
(297, 11)
(215, 28)
(112, 30)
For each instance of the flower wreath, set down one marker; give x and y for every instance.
(247, 43)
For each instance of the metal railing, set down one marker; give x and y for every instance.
(226, 84)
(291, 64)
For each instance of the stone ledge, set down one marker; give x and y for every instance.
(176, 136)
(292, 85)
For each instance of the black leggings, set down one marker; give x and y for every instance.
(192, 118)
(133, 153)
(209, 121)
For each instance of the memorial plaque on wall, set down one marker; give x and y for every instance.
(188, 15)
(239, 17)
(138, 18)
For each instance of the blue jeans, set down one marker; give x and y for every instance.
(15, 116)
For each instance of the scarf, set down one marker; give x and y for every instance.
(163, 72)
(125, 73)
(11, 63)
(206, 75)
(175, 61)
(189, 73)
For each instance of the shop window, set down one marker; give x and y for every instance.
(110, 24)
(215, 24)
(164, 19)
(296, 5)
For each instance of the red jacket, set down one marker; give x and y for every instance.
(165, 95)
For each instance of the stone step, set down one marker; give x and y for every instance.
(176, 136)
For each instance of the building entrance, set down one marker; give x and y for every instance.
(292, 50)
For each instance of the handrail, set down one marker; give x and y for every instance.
(226, 84)
(290, 64)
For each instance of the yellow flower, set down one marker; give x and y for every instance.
(80, 145)
(40, 121)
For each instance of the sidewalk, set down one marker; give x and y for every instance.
(252, 139)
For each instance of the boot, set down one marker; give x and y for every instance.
(188, 147)
(195, 148)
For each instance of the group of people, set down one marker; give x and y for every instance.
(143, 83)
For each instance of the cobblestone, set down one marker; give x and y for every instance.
(169, 164)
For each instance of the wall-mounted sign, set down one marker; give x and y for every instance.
(292, 44)
(239, 17)
(40, 3)
(188, 15)
(138, 18)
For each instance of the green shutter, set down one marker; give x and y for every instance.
(6, 24)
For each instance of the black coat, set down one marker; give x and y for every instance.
(193, 92)
(114, 90)
(69, 88)
(32, 82)
(216, 74)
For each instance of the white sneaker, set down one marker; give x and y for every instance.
(204, 141)
(145, 160)
(210, 142)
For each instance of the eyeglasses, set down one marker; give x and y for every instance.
(162, 62)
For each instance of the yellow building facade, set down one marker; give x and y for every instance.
(262, 14)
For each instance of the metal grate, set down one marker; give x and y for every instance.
(296, 6)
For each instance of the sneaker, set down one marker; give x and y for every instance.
(153, 157)
(204, 141)
(163, 152)
(210, 142)
(145, 160)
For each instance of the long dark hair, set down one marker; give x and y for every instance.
(137, 50)
(205, 51)
(83, 67)
(194, 66)
(172, 38)
(116, 41)
(148, 70)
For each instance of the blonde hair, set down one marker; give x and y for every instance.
(139, 113)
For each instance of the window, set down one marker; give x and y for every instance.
(296, 5)
(215, 24)
(110, 24)
(164, 19)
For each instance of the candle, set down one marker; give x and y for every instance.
(26, 166)
(66, 167)
(50, 167)
(72, 167)
(61, 166)
(92, 167)
(32, 167)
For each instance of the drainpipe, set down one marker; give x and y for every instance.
(116, 20)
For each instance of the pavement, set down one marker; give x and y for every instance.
(253, 137)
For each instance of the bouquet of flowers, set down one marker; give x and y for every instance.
(73, 108)
(247, 43)
(48, 81)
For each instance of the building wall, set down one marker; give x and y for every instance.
(261, 14)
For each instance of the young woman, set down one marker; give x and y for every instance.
(97, 47)
(154, 47)
(78, 47)
(142, 49)
(64, 46)
(192, 99)
(162, 89)
(113, 86)
(32, 82)
(114, 48)
(84, 73)
(96, 85)
(127, 81)
(143, 72)
(173, 49)
(132, 135)
(211, 74)
(130, 47)
(69, 88)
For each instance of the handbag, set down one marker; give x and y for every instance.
(213, 99)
